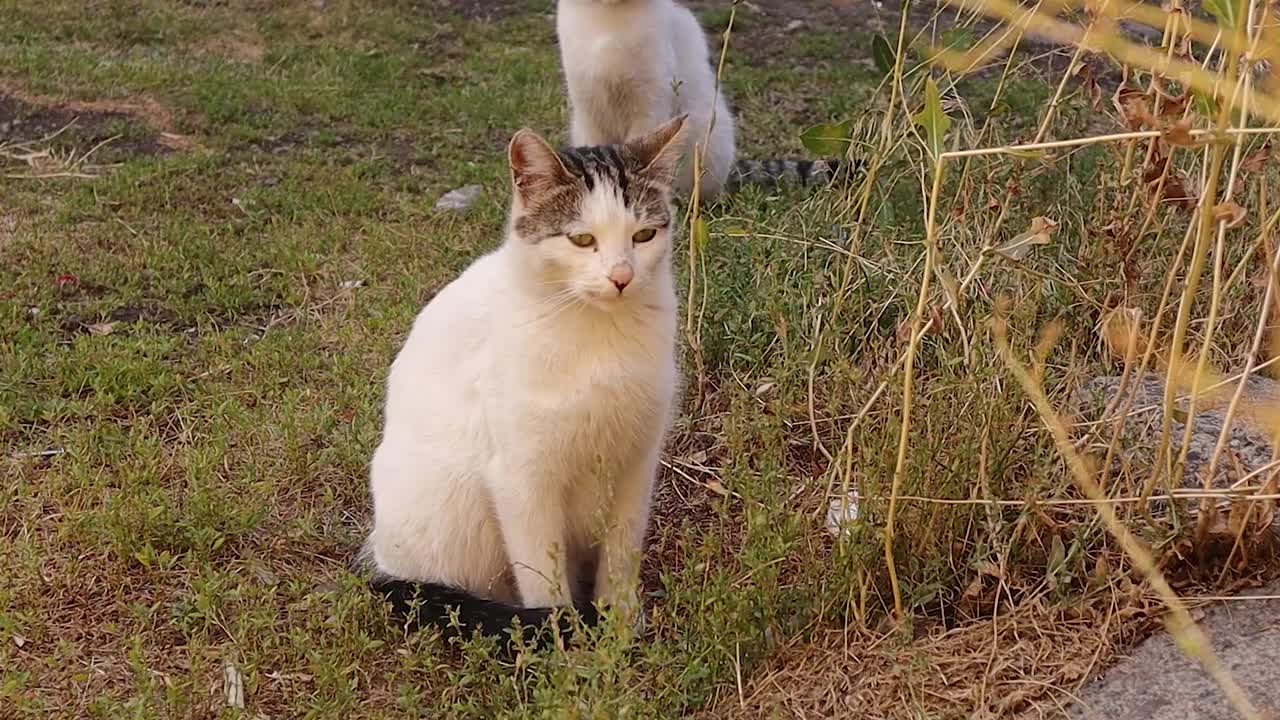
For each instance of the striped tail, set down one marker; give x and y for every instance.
(781, 171)
(421, 604)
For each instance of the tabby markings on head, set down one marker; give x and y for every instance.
(606, 166)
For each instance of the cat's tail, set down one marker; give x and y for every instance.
(787, 171)
(422, 604)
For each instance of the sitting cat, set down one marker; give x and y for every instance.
(631, 65)
(527, 410)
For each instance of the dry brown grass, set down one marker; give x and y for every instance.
(39, 160)
(1028, 659)
(1021, 651)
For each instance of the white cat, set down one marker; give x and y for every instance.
(631, 65)
(527, 411)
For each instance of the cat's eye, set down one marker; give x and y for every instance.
(583, 240)
(644, 236)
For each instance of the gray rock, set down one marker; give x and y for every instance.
(459, 199)
(1158, 682)
(1138, 32)
(1248, 441)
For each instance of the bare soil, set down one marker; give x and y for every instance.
(126, 129)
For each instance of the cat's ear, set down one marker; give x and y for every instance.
(535, 166)
(660, 152)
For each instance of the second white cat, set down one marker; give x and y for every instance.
(631, 65)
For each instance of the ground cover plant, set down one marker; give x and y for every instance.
(217, 221)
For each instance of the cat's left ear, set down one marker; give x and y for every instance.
(660, 152)
(535, 165)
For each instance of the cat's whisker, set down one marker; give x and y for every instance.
(566, 301)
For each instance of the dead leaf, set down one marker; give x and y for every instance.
(1095, 94)
(974, 589)
(1101, 570)
(174, 141)
(935, 320)
(931, 326)
(105, 328)
(1155, 169)
(717, 487)
(1176, 192)
(1179, 133)
(19, 640)
(986, 567)
(1085, 73)
(1229, 212)
(1132, 107)
(1257, 161)
(1175, 106)
(1238, 516)
(1122, 332)
(1041, 230)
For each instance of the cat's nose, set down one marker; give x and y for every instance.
(621, 274)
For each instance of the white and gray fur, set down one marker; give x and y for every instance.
(527, 410)
(630, 65)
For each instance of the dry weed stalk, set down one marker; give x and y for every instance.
(698, 234)
(1256, 42)
(918, 325)
(1186, 633)
(43, 161)
(921, 325)
(1214, 215)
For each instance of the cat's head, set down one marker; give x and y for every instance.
(594, 224)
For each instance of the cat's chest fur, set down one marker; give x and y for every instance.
(592, 391)
(619, 46)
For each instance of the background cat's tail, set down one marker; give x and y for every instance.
(422, 603)
(784, 171)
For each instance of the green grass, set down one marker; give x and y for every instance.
(187, 490)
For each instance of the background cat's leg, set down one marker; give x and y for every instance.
(583, 130)
(533, 531)
(622, 547)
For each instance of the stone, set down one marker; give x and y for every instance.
(459, 199)
(1249, 440)
(1159, 682)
